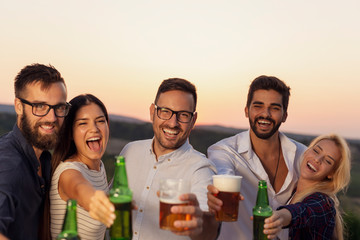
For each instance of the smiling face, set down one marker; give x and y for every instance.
(319, 161)
(171, 134)
(90, 133)
(41, 132)
(265, 113)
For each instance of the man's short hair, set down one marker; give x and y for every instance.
(177, 84)
(269, 83)
(36, 72)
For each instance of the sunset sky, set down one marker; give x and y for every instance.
(120, 51)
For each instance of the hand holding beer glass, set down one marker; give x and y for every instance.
(170, 191)
(229, 194)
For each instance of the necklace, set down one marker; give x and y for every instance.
(277, 167)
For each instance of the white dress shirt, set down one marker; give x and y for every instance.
(235, 156)
(144, 173)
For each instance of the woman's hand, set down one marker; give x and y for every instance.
(101, 208)
(276, 222)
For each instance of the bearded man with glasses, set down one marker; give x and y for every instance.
(170, 155)
(40, 106)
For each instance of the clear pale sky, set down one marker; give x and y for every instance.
(120, 51)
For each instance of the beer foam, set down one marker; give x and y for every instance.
(172, 201)
(227, 183)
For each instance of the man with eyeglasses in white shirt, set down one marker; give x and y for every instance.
(169, 155)
(40, 106)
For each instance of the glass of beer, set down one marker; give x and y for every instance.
(229, 194)
(170, 190)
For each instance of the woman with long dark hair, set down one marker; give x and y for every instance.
(78, 172)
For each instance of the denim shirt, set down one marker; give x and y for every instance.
(22, 190)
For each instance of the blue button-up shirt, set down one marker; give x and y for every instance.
(22, 190)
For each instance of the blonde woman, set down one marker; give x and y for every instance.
(313, 212)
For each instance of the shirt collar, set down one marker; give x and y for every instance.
(244, 145)
(176, 154)
(28, 150)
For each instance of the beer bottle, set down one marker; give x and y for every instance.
(69, 228)
(121, 196)
(261, 211)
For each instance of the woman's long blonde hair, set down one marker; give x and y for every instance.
(337, 183)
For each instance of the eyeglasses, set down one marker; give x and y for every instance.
(41, 109)
(166, 113)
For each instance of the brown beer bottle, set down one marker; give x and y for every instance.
(121, 196)
(261, 211)
(69, 228)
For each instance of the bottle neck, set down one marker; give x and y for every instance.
(120, 192)
(70, 224)
(262, 197)
(120, 177)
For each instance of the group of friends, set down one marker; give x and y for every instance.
(35, 184)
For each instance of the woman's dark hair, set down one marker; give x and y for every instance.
(66, 146)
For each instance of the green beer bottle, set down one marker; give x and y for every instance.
(69, 228)
(121, 196)
(261, 211)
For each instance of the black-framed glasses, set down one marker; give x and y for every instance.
(41, 109)
(166, 113)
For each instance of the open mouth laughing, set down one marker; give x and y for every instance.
(170, 133)
(46, 127)
(264, 122)
(94, 143)
(311, 167)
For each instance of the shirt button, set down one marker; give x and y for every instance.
(141, 210)
(154, 167)
(169, 160)
(135, 233)
(148, 187)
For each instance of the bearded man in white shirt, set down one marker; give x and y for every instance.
(170, 155)
(261, 153)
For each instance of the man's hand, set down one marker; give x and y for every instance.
(213, 202)
(191, 227)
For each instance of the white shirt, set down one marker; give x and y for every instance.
(144, 174)
(235, 156)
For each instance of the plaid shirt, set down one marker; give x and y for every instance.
(313, 218)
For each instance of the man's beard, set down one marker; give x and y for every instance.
(264, 135)
(35, 138)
